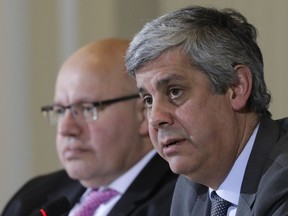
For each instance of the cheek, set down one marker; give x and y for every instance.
(59, 147)
(103, 136)
(208, 125)
(153, 135)
(98, 136)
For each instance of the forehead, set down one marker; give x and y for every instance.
(92, 79)
(75, 87)
(171, 66)
(83, 80)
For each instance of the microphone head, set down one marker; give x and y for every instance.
(54, 208)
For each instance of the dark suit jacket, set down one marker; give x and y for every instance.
(150, 194)
(264, 190)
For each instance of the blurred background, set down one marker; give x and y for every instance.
(36, 36)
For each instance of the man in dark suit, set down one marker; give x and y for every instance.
(102, 141)
(200, 74)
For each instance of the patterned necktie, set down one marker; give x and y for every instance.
(93, 200)
(219, 206)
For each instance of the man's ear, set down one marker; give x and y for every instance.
(142, 117)
(242, 89)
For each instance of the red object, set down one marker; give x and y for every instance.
(43, 212)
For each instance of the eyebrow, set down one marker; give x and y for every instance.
(163, 82)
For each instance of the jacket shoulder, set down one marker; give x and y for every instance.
(37, 191)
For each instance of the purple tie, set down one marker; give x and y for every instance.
(93, 200)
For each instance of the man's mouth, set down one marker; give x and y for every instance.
(174, 142)
(171, 144)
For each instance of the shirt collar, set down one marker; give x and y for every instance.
(231, 186)
(123, 182)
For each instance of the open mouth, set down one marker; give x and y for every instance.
(171, 144)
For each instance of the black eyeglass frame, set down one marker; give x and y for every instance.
(96, 103)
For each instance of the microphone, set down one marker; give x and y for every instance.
(54, 208)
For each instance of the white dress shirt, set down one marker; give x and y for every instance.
(231, 186)
(120, 185)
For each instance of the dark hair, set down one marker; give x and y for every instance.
(214, 40)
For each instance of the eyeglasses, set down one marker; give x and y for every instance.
(87, 111)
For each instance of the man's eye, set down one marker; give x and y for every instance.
(147, 101)
(174, 93)
(58, 110)
(87, 108)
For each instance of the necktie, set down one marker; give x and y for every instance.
(93, 200)
(219, 205)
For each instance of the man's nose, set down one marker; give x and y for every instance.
(159, 115)
(68, 124)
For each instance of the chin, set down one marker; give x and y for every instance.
(174, 168)
(177, 166)
(76, 172)
(73, 173)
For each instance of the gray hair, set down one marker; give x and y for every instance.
(215, 42)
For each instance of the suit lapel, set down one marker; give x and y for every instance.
(202, 205)
(72, 190)
(190, 198)
(257, 165)
(142, 187)
(245, 204)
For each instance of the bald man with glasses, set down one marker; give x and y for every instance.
(102, 141)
